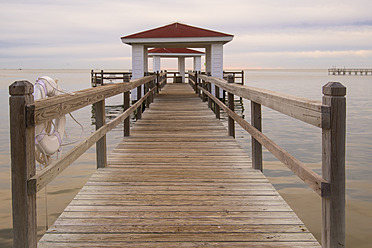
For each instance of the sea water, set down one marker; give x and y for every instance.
(300, 139)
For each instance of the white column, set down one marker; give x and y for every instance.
(156, 63)
(181, 67)
(208, 58)
(216, 62)
(146, 60)
(197, 63)
(137, 65)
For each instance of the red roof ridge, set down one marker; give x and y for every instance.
(176, 30)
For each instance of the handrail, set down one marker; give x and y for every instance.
(25, 114)
(309, 111)
(50, 108)
(329, 115)
(316, 182)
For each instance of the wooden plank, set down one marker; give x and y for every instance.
(178, 183)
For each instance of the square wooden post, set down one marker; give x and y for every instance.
(230, 99)
(333, 167)
(256, 122)
(216, 106)
(101, 149)
(126, 106)
(22, 147)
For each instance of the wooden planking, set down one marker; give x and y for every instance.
(180, 182)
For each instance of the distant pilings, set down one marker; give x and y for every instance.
(345, 71)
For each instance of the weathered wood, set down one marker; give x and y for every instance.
(231, 105)
(256, 122)
(126, 103)
(174, 183)
(333, 167)
(46, 175)
(22, 142)
(53, 107)
(217, 110)
(101, 148)
(309, 111)
(315, 181)
(139, 108)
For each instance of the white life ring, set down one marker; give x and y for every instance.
(48, 135)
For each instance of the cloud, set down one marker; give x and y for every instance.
(74, 31)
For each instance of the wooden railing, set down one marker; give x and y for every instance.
(25, 114)
(329, 115)
(238, 76)
(349, 71)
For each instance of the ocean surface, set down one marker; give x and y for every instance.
(298, 138)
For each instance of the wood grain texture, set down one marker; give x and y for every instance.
(309, 111)
(178, 182)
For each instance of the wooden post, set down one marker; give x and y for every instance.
(147, 101)
(216, 106)
(204, 96)
(333, 167)
(209, 89)
(256, 122)
(242, 77)
(157, 83)
(101, 77)
(92, 79)
(126, 106)
(101, 150)
(230, 99)
(22, 142)
(139, 109)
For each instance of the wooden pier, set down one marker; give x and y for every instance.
(349, 71)
(178, 181)
(178, 178)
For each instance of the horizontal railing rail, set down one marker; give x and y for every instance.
(329, 115)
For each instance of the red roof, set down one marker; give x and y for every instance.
(176, 30)
(173, 50)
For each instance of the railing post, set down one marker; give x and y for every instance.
(216, 106)
(101, 77)
(256, 122)
(101, 150)
(126, 106)
(157, 83)
(22, 142)
(139, 109)
(230, 99)
(209, 89)
(204, 96)
(333, 167)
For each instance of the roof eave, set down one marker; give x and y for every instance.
(149, 41)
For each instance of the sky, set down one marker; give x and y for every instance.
(85, 34)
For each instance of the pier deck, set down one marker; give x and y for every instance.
(178, 181)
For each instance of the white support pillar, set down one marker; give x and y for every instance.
(216, 62)
(156, 63)
(138, 65)
(146, 60)
(197, 63)
(208, 59)
(181, 67)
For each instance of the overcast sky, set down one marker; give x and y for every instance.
(267, 33)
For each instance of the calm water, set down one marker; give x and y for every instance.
(301, 140)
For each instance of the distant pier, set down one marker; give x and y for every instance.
(346, 71)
